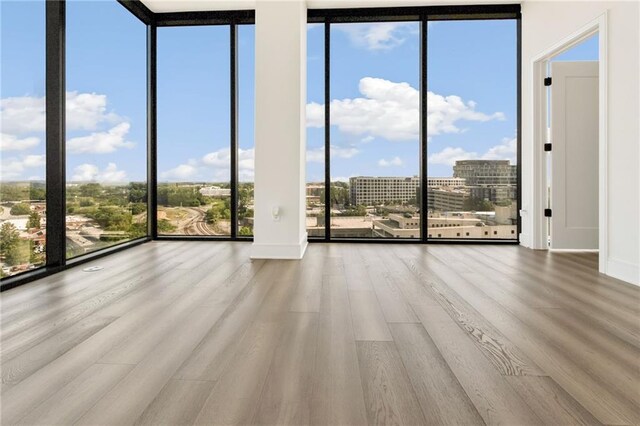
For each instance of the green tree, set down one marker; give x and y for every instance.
(137, 192)
(113, 218)
(165, 226)
(358, 210)
(20, 209)
(86, 202)
(212, 215)
(245, 230)
(37, 191)
(34, 221)
(9, 236)
(477, 204)
(138, 208)
(93, 190)
(19, 253)
(12, 248)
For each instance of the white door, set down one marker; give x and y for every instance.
(574, 155)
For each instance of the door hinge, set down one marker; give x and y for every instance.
(547, 147)
(547, 81)
(547, 212)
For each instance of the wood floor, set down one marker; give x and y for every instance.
(196, 333)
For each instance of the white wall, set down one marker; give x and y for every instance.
(547, 23)
(281, 57)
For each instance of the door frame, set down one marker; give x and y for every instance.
(539, 72)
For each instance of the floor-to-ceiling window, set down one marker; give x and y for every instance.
(245, 120)
(106, 125)
(423, 123)
(315, 183)
(205, 130)
(194, 160)
(22, 141)
(472, 123)
(375, 130)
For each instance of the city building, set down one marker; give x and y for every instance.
(446, 199)
(215, 191)
(486, 172)
(445, 227)
(371, 190)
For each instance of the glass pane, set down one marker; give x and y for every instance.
(246, 144)
(375, 130)
(22, 141)
(193, 131)
(472, 182)
(106, 123)
(315, 131)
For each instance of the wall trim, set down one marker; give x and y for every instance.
(538, 196)
(280, 251)
(624, 271)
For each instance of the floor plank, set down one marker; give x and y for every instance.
(443, 399)
(389, 395)
(490, 393)
(368, 319)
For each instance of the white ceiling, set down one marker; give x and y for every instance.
(159, 6)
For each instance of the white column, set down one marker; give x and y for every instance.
(280, 131)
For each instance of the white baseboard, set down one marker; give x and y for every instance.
(624, 271)
(279, 251)
(525, 240)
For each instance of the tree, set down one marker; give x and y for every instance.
(165, 226)
(245, 230)
(12, 248)
(34, 221)
(91, 190)
(477, 205)
(113, 218)
(9, 236)
(37, 191)
(137, 192)
(138, 208)
(212, 215)
(20, 209)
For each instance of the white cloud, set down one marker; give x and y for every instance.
(91, 173)
(449, 156)
(340, 179)
(317, 155)
(214, 166)
(14, 167)
(23, 114)
(13, 143)
(504, 151)
(395, 161)
(101, 142)
(378, 36)
(84, 111)
(179, 173)
(391, 110)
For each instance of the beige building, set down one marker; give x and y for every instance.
(371, 190)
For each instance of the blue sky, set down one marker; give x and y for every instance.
(374, 82)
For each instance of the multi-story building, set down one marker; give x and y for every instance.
(370, 190)
(446, 199)
(215, 191)
(495, 194)
(486, 172)
(455, 226)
